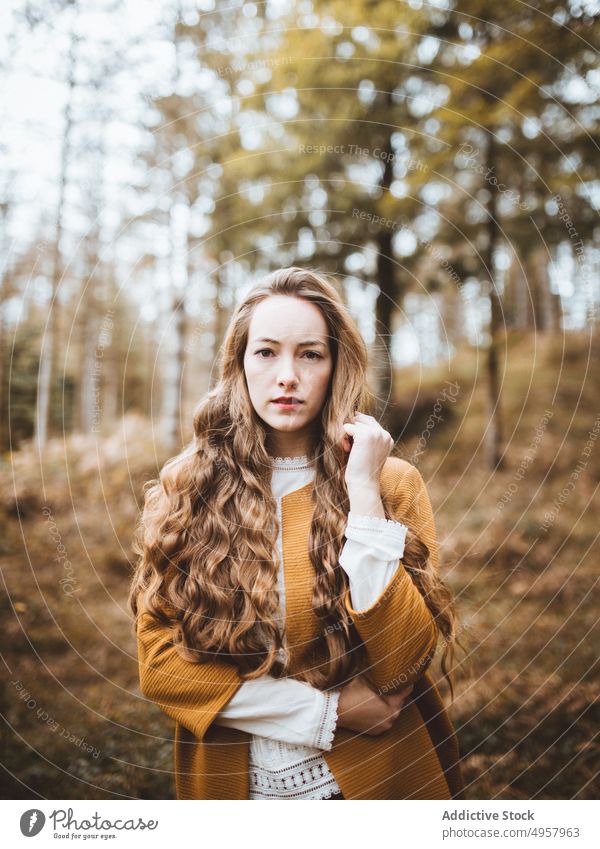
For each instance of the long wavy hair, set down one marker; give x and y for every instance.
(206, 539)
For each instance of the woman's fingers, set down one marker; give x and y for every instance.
(401, 696)
(396, 701)
(361, 708)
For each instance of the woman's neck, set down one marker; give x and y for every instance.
(281, 448)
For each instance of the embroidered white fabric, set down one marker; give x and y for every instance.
(281, 770)
(308, 778)
(296, 722)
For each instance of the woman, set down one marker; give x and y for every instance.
(287, 598)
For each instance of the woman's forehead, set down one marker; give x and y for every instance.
(282, 319)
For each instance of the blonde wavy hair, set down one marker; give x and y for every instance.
(206, 539)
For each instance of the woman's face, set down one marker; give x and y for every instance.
(286, 366)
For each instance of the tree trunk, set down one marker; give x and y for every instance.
(179, 233)
(175, 353)
(493, 433)
(88, 388)
(547, 304)
(6, 291)
(221, 316)
(516, 296)
(173, 374)
(87, 398)
(49, 343)
(382, 368)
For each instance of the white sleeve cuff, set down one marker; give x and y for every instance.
(328, 723)
(385, 537)
(371, 556)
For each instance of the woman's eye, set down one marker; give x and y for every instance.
(315, 355)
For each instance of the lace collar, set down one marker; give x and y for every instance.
(290, 463)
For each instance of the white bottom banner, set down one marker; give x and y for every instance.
(392, 823)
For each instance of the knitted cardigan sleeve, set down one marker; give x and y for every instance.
(398, 630)
(190, 693)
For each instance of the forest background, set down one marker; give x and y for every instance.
(440, 160)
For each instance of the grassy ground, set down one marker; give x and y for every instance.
(522, 561)
(526, 710)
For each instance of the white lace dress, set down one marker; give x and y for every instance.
(291, 723)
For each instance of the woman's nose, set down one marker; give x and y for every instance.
(287, 374)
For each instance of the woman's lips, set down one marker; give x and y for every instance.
(290, 405)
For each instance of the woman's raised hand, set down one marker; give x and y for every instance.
(368, 450)
(363, 710)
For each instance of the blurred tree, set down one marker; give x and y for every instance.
(8, 203)
(93, 315)
(50, 339)
(317, 188)
(230, 129)
(190, 131)
(501, 153)
(51, 336)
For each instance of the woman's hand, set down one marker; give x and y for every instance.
(369, 449)
(363, 710)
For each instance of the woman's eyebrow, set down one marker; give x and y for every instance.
(300, 344)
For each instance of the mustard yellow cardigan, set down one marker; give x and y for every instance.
(417, 759)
